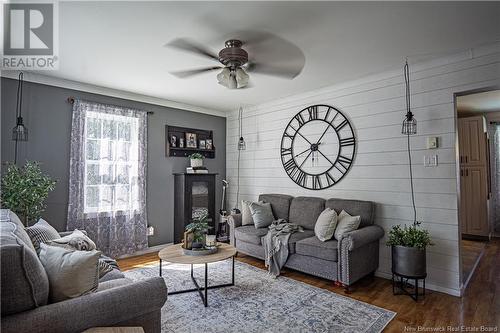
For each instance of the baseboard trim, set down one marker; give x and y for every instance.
(449, 291)
(150, 249)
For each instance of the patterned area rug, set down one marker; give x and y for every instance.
(258, 303)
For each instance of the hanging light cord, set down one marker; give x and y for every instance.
(19, 109)
(408, 113)
(240, 114)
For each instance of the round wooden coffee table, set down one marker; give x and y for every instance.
(175, 254)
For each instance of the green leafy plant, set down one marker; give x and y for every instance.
(409, 236)
(196, 156)
(199, 227)
(25, 189)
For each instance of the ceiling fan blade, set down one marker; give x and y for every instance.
(192, 72)
(284, 70)
(189, 46)
(273, 55)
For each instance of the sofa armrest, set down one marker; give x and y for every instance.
(363, 236)
(103, 308)
(359, 253)
(234, 221)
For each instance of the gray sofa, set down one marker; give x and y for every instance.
(25, 287)
(346, 261)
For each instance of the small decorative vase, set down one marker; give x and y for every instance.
(196, 162)
(197, 245)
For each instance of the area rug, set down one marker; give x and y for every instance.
(258, 303)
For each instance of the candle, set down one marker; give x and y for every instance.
(210, 240)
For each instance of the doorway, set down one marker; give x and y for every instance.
(478, 164)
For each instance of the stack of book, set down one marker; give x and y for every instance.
(200, 169)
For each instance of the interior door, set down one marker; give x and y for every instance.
(475, 146)
(463, 142)
(478, 209)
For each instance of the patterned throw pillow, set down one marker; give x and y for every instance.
(104, 268)
(41, 232)
(76, 240)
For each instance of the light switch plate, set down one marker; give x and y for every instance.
(432, 142)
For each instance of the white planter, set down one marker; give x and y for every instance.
(196, 162)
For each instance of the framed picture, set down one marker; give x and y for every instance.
(181, 142)
(209, 144)
(188, 240)
(191, 140)
(173, 141)
(203, 144)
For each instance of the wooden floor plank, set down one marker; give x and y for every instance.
(480, 305)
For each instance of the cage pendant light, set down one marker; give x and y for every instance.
(19, 132)
(241, 142)
(409, 123)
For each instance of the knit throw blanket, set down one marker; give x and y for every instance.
(276, 244)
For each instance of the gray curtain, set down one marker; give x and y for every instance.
(494, 135)
(107, 184)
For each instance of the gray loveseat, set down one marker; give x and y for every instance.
(25, 287)
(353, 257)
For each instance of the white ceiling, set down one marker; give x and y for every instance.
(120, 45)
(481, 102)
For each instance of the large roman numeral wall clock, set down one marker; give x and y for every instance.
(318, 147)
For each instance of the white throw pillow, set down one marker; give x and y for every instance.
(77, 240)
(325, 225)
(346, 223)
(71, 273)
(246, 214)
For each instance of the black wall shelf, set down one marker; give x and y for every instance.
(172, 146)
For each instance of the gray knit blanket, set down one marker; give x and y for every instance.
(276, 244)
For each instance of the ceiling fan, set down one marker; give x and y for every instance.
(270, 55)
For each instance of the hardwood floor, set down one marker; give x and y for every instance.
(480, 305)
(471, 253)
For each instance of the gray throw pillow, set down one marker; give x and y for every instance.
(326, 224)
(246, 214)
(71, 273)
(41, 232)
(262, 214)
(346, 223)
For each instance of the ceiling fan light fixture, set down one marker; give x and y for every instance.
(241, 77)
(233, 79)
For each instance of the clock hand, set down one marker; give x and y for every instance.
(326, 157)
(305, 159)
(322, 135)
(302, 152)
(309, 142)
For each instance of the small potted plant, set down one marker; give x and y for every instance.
(199, 227)
(409, 249)
(196, 160)
(24, 191)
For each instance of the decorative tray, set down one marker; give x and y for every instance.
(199, 252)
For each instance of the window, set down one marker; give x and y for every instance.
(111, 163)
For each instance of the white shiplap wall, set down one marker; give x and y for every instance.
(375, 106)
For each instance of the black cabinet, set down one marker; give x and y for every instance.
(194, 196)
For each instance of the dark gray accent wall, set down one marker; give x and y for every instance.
(47, 115)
